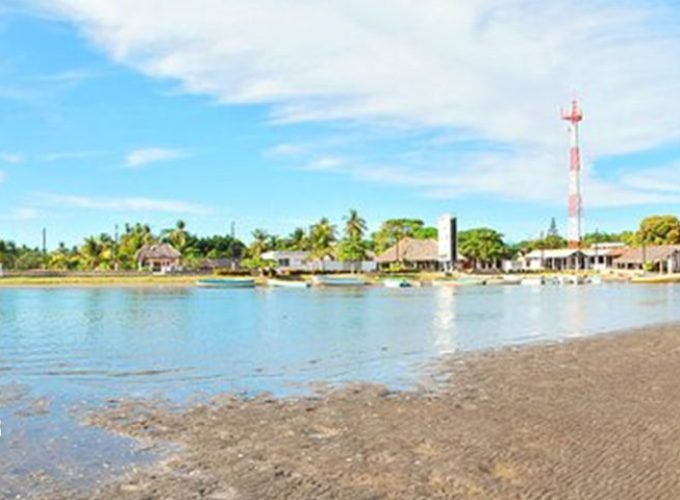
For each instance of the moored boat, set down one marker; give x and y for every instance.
(325, 280)
(511, 280)
(533, 281)
(279, 283)
(459, 282)
(396, 283)
(226, 283)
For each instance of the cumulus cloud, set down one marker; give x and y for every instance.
(127, 204)
(493, 71)
(145, 156)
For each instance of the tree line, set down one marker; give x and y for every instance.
(349, 242)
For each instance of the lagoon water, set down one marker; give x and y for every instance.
(59, 347)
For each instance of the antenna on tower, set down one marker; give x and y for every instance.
(575, 227)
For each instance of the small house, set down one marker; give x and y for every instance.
(159, 258)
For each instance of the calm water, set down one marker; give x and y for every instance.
(63, 346)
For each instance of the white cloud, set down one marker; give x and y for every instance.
(67, 155)
(145, 156)
(2, 176)
(13, 158)
(494, 71)
(128, 204)
(325, 163)
(20, 214)
(286, 149)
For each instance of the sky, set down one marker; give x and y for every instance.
(274, 113)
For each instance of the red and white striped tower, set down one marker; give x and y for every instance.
(575, 226)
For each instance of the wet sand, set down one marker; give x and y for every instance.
(597, 418)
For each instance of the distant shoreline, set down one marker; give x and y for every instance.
(98, 281)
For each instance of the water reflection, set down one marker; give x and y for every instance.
(444, 320)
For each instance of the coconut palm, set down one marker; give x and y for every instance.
(298, 240)
(260, 243)
(322, 236)
(352, 247)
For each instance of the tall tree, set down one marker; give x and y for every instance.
(482, 245)
(297, 240)
(177, 236)
(659, 230)
(260, 243)
(322, 235)
(352, 247)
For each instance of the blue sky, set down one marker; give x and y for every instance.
(275, 113)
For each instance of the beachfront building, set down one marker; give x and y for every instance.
(411, 253)
(560, 259)
(159, 258)
(301, 261)
(601, 256)
(657, 258)
(289, 260)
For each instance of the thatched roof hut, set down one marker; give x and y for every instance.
(421, 254)
(158, 257)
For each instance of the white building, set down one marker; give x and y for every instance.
(288, 260)
(561, 259)
(300, 261)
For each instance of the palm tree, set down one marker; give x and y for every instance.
(355, 226)
(352, 247)
(259, 244)
(177, 236)
(322, 236)
(90, 252)
(297, 240)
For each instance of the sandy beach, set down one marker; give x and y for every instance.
(589, 418)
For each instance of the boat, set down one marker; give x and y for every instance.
(226, 283)
(594, 280)
(324, 280)
(656, 280)
(533, 281)
(279, 283)
(511, 280)
(570, 279)
(459, 282)
(396, 283)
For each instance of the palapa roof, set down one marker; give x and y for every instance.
(654, 253)
(411, 250)
(159, 251)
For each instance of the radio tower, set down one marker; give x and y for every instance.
(575, 226)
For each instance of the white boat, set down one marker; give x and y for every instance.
(511, 280)
(570, 279)
(324, 280)
(287, 283)
(533, 281)
(226, 283)
(594, 280)
(396, 283)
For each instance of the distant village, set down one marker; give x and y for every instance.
(398, 245)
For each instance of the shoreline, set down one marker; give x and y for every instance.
(588, 418)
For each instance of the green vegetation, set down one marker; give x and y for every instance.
(352, 243)
(482, 246)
